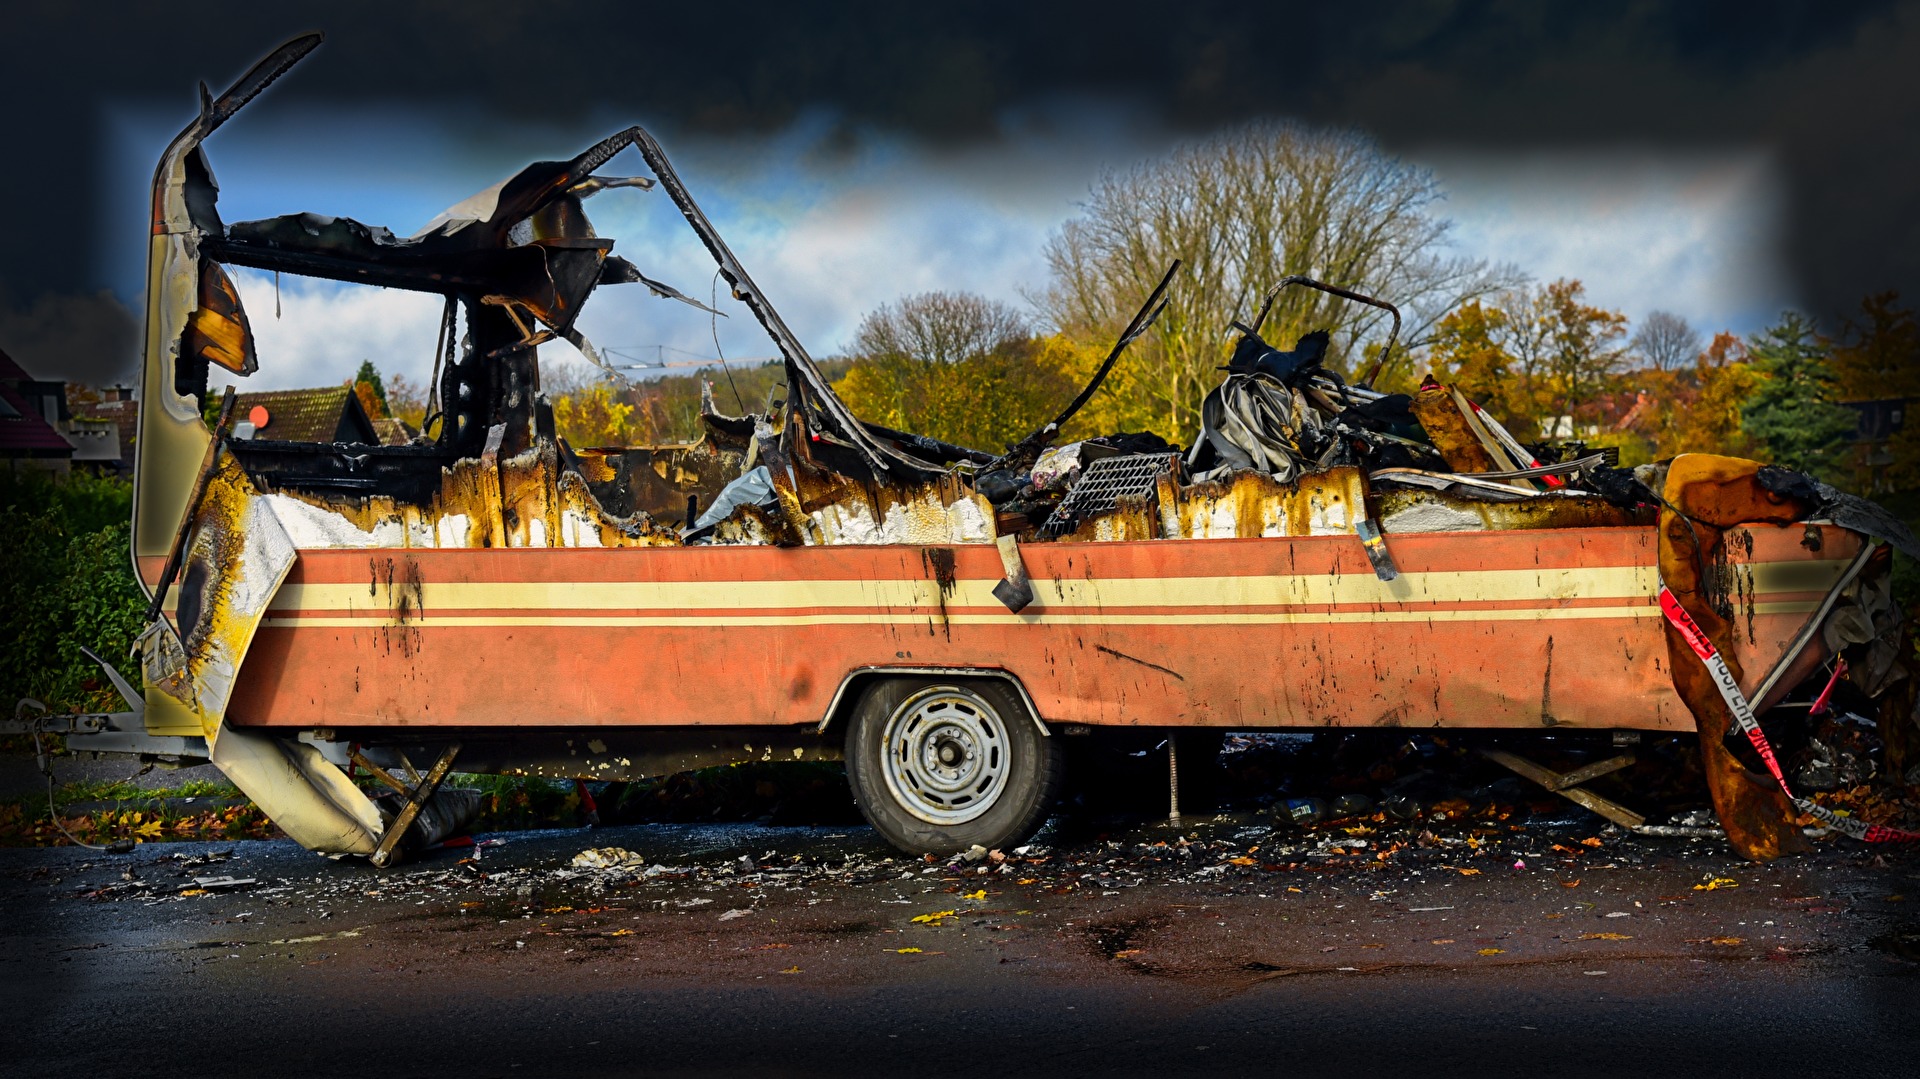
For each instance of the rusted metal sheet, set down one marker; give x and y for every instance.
(218, 331)
(1449, 431)
(236, 555)
(1248, 505)
(1502, 629)
(1716, 494)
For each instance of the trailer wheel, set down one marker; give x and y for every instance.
(940, 766)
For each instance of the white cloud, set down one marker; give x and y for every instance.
(832, 224)
(325, 329)
(827, 241)
(1697, 235)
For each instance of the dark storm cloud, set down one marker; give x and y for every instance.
(1833, 94)
(90, 338)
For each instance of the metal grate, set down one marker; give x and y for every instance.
(1104, 482)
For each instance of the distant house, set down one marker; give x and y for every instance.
(102, 429)
(331, 414)
(1880, 420)
(32, 412)
(1873, 453)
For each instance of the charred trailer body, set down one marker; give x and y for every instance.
(489, 598)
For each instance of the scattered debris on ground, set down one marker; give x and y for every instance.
(1426, 805)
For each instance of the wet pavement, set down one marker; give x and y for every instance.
(1227, 945)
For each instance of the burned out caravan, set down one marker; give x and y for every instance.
(339, 626)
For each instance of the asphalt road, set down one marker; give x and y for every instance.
(746, 950)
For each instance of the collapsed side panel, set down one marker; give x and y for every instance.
(1510, 629)
(1769, 580)
(172, 438)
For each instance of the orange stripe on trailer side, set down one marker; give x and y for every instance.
(1503, 629)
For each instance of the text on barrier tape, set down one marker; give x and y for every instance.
(1723, 681)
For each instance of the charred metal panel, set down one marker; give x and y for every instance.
(411, 474)
(658, 480)
(1402, 509)
(172, 437)
(218, 331)
(830, 506)
(1246, 505)
(524, 501)
(235, 558)
(1716, 494)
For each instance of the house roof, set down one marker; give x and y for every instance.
(393, 432)
(23, 433)
(328, 414)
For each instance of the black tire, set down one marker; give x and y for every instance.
(995, 796)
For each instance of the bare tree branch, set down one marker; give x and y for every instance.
(1666, 342)
(1243, 210)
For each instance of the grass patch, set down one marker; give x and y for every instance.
(121, 790)
(804, 792)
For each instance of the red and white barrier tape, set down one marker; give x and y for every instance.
(1729, 688)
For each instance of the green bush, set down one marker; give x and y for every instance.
(66, 580)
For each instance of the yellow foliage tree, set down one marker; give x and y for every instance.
(1123, 403)
(370, 400)
(406, 400)
(1469, 351)
(967, 370)
(1531, 354)
(985, 401)
(593, 416)
(1704, 417)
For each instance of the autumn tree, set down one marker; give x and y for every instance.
(1878, 352)
(1470, 350)
(1792, 414)
(1665, 341)
(953, 366)
(1243, 210)
(592, 417)
(1532, 354)
(939, 328)
(368, 388)
(406, 400)
(904, 355)
(1702, 411)
(1581, 344)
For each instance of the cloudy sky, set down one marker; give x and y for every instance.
(1661, 156)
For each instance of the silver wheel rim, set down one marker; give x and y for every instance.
(944, 753)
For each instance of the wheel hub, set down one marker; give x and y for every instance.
(946, 756)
